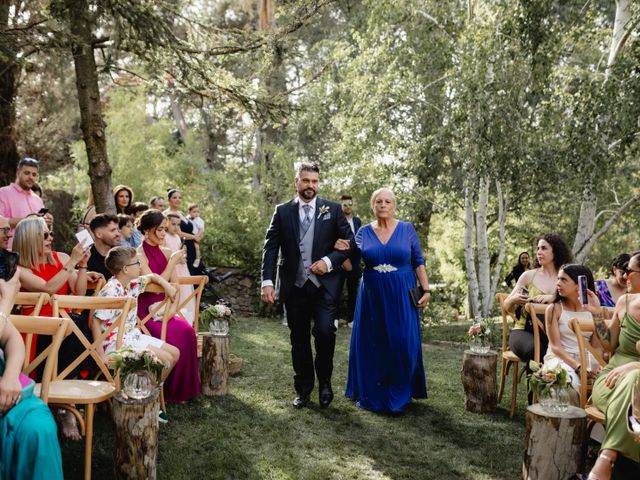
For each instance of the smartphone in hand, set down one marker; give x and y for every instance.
(583, 289)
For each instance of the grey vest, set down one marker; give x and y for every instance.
(306, 247)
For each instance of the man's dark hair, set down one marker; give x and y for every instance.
(346, 197)
(307, 167)
(138, 207)
(102, 220)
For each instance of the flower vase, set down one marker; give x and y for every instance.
(219, 326)
(479, 344)
(139, 384)
(554, 399)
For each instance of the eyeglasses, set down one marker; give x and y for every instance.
(630, 270)
(347, 204)
(136, 263)
(28, 161)
(47, 235)
(5, 230)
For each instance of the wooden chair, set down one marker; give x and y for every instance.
(32, 299)
(68, 393)
(198, 282)
(169, 310)
(536, 309)
(96, 286)
(29, 326)
(509, 359)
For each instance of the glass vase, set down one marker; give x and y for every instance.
(480, 344)
(139, 384)
(219, 326)
(555, 399)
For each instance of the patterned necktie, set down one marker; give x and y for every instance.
(306, 221)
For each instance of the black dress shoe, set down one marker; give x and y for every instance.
(301, 401)
(326, 395)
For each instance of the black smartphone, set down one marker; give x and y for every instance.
(525, 291)
(583, 289)
(43, 211)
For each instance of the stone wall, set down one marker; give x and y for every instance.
(241, 291)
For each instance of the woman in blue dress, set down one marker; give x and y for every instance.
(29, 446)
(385, 360)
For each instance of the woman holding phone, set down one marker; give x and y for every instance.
(571, 301)
(538, 286)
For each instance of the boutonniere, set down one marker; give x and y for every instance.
(322, 210)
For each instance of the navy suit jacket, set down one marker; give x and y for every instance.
(356, 256)
(283, 236)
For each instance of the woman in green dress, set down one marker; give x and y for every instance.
(613, 387)
(29, 446)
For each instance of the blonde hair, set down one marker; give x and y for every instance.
(375, 194)
(28, 242)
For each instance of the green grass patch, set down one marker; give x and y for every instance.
(254, 432)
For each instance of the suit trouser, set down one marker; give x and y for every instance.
(302, 305)
(353, 283)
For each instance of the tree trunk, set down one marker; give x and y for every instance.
(91, 119)
(621, 31)
(176, 110)
(479, 381)
(136, 445)
(503, 203)
(8, 83)
(482, 245)
(214, 364)
(469, 257)
(587, 217)
(553, 443)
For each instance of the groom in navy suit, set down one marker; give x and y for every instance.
(305, 231)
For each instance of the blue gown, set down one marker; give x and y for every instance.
(29, 446)
(385, 359)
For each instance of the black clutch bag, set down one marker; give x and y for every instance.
(416, 294)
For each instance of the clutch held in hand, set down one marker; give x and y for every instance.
(416, 294)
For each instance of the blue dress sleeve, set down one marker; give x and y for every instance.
(416, 251)
(358, 239)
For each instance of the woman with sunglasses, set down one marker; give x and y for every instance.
(612, 389)
(43, 270)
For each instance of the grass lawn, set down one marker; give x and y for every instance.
(254, 433)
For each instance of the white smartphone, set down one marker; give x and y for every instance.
(85, 238)
(582, 290)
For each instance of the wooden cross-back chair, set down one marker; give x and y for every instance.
(169, 310)
(198, 282)
(57, 329)
(535, 311)
(96, 286)
(509, 359)
(30, 299)
(68, 393)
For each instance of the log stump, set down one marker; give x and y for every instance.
(136, 426)
(479, 381)
(553, 443)
(214, 364)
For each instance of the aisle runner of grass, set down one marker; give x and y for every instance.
(254, 433)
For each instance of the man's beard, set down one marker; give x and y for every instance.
(305, 194)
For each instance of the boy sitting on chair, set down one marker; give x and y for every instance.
(123, 263)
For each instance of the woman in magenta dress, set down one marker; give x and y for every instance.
(385, 359)
(183, 384)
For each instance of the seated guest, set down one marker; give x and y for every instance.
(43, 270)
(611, 289)
(174, 243)
(104, 228)
(183, 384)
(157, 203)
(537, 285)
(29, 446)
(125, 225)
(612, 389)
(123, 263)
(122, 197)
(17, 200)
(563, 346)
